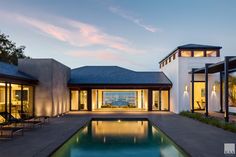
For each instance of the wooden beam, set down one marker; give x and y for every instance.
(193, 90)
(206, 88)
(221, 92)
(226, 92)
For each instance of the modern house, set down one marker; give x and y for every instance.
(192, 77)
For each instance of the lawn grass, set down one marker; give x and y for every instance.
(210, 120)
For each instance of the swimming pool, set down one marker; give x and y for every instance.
(119, 138)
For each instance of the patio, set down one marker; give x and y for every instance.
(189, 134)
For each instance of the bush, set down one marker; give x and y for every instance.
(210, 120)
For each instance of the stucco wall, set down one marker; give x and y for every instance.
(52, 93)
(178, 72)
(171, 71)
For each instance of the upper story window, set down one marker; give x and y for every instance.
(198, 53)
(212, 53)
(186, 53)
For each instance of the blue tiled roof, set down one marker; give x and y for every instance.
(10, 70)
(115, 75)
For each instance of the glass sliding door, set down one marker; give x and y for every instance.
(27, 102)
(74, 100)
(160, 100)
(78, 100)
(15, 101)
(83, 102)
(199, 95)
(156, 100)
(164, 100)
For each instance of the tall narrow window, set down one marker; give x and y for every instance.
(74, 100)
(27, 99)
(155, 100)
(164, 100)
(199, 95)
(16, 100)
(2, 100)
(232, 89)
(83, 100)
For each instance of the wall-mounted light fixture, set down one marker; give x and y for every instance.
(186, 88)
(214, 88)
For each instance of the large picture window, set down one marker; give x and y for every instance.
(120, 99)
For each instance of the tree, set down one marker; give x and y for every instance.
(9, 52)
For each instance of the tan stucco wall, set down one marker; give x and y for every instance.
(52, 93)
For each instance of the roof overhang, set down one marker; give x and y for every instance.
(218, 67)
(19, 80)
(120, 86)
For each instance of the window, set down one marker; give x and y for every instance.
(232, 89)
(160, 100)
(83, 100)
(155, 100)
(27, 98)
(120, 99)
(199, 95)
(74, 100)
(169, 59)
(186, 53)
(212, 53)
(164, 100)
(165, 61)
(198, 53)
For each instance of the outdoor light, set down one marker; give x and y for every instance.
(186, 88)
(214, 88)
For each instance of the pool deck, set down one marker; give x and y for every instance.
(196, 138)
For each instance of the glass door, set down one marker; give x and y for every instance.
(160, 100)
(83, 102)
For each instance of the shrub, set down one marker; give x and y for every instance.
(210, 120)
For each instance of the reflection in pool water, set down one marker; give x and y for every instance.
(119, 138)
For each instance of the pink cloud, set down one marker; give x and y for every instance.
(139, 22)
(76, 33)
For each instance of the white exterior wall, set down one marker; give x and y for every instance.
(171, 71)
(178, 72)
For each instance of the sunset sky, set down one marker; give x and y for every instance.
(130, 33)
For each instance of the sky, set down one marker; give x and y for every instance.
(134, 34)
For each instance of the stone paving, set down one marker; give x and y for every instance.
(196, 138)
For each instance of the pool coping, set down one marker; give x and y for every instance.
(180, 148)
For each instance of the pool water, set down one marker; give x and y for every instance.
(119, 138)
